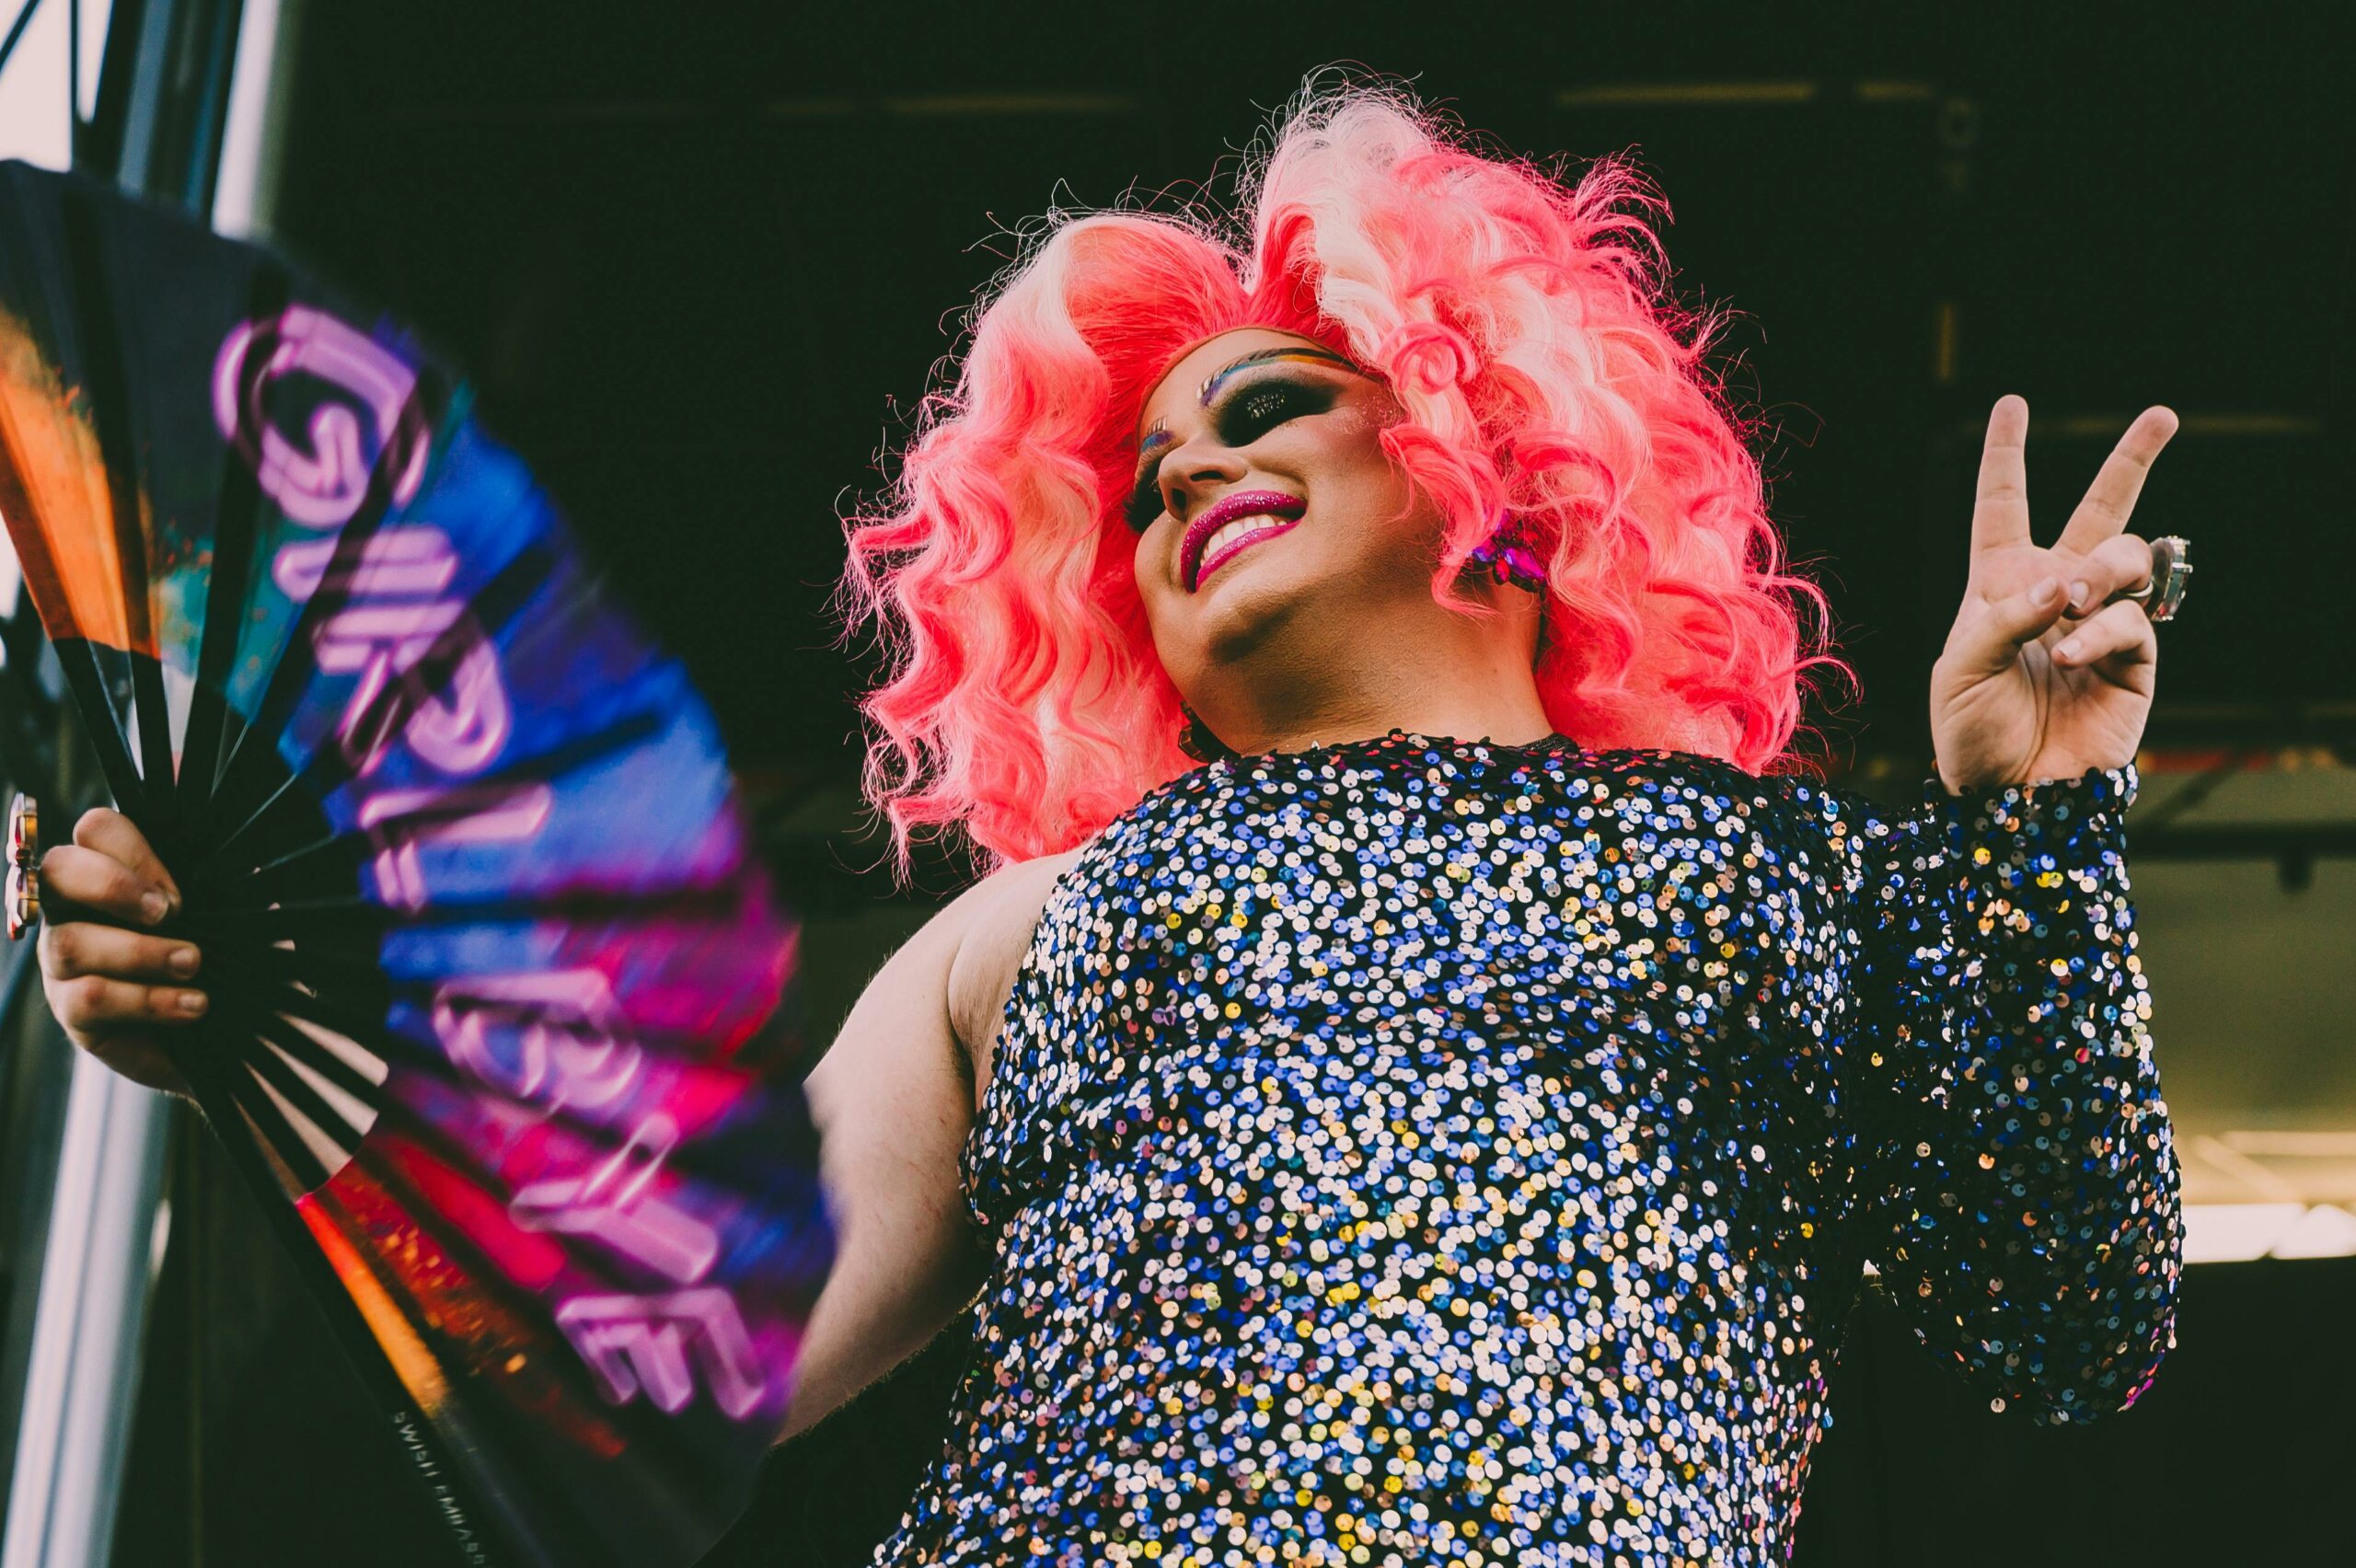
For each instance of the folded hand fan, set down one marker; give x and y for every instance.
(495, 974)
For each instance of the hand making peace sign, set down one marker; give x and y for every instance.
(2039, 679)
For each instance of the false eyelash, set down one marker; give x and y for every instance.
(1144, 505)
(1244, 419)
(1268, 401)
(1256, 410)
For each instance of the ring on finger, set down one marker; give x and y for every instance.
(2162, 594)
(23, 892)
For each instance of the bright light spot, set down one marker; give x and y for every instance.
(12, 577)
(35, 117)
(35, 123)
(2324, 1231)
(2234, 1233)
(94, 14)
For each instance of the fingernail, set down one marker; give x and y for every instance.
(191, 1002)
(155, 906)
(2068, 650)
(2046, 590)
(2080, 594)
(183, 961)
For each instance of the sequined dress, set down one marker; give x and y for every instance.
(1415, 1151)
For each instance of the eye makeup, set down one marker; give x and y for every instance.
(1261, 405)
(1251, 411)
(1268, 356)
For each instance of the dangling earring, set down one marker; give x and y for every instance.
(1505, 555)
(1197, 740)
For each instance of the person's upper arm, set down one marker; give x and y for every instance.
(892, 1101)
(890, 1106)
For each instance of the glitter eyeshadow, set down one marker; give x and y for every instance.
(1419, 1151)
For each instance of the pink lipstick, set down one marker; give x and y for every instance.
(1258, 515)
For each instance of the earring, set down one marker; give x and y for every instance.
(1197, 740)
(1505, 555)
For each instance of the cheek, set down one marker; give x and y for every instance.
(1385, 510)
(1160, 597)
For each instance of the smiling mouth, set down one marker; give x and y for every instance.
(1236, 537)
(1232, 525)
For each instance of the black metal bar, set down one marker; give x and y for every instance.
(8, 44)
(2252, 841)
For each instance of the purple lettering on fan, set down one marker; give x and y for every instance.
(499, 978)
(644, 1342)
(573, 1047)
(535, 1044)
(323, 486)
(399, 820)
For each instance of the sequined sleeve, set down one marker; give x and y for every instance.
(2018, 1174)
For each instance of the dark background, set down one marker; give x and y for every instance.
(705, 260)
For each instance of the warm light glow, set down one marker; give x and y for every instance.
(2236, 1233)
(2324, 1231)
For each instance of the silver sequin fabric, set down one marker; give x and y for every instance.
(1415, 1151)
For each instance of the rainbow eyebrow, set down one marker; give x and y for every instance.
(1290, 351)
(1158, 436)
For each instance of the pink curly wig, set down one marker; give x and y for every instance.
(1523, 325)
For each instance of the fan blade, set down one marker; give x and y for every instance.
(238, 517)
(334, 858)
(400, 1375)
(496, 973)
(109, 393)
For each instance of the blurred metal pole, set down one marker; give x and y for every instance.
(85, 1372)
(206, 85)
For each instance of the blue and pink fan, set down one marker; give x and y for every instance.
(495, 974)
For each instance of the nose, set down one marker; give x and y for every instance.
(1204, 467)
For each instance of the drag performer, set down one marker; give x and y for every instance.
(1427, 1074)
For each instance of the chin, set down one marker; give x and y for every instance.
(1243, 618)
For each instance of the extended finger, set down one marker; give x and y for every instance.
(2111, 498)
(112, 834)
(2124, 561)
(94, 1004)
(1992, 640)
(2122, 633)
(102, 884)
(1999, 506)
(85, 947)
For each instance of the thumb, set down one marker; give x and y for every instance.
(1991, 641)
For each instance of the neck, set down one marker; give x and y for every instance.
(1476, 685)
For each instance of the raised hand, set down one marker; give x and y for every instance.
(2039, 678)
(118, 990)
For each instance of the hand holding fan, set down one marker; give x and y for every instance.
(492, 967)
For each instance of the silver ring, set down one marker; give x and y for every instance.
(23, 892)
(2162, 594)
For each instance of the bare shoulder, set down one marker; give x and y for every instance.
(893, 1101)
(997, 917)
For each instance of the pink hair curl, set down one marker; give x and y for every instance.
(1523, 325)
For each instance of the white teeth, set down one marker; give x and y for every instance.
(1231, 532)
